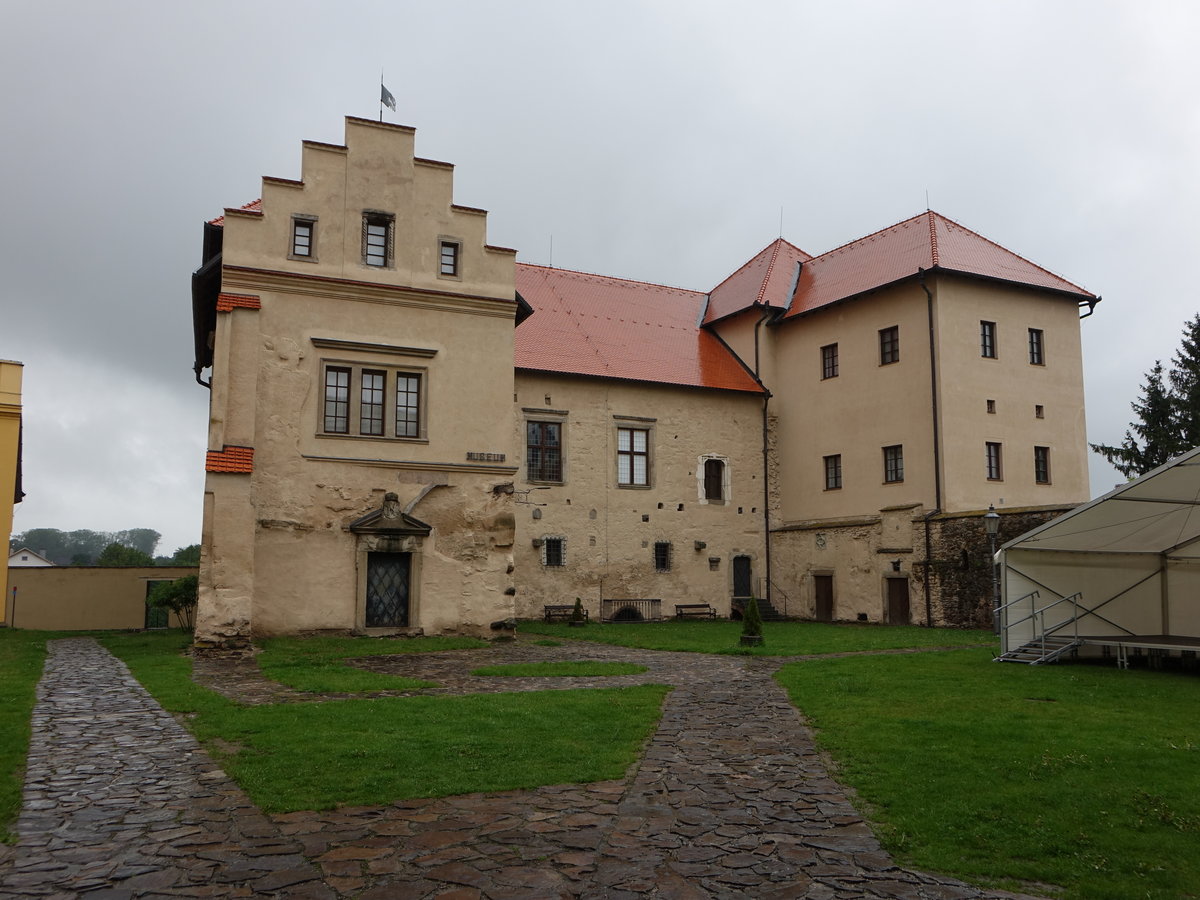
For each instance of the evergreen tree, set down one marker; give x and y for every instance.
(1168, 412)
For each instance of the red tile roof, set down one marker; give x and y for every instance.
(254, 206)
(610, 327)
(926, 241)
(230, 302)
(767, 279)
(236, 460)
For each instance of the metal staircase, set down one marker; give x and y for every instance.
(1046, 645)
(1041, 651)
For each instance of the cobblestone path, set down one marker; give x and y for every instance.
(730, 800)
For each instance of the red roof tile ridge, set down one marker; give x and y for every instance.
(252, 206)
(762, 288)
(775, 244)
(1023, 259)
(656, 284)
(865, 238)
(933, 247)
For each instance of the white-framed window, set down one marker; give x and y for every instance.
(386, 402)
(713, 479)
(377, 239)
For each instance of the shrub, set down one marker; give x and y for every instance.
(179, 596)
(751, 619)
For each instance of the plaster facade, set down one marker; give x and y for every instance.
(10, 454)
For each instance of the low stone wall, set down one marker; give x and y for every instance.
(83, 598)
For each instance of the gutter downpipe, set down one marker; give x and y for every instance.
(766, 458)
(937, 449)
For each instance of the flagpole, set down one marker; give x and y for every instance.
(381, 93)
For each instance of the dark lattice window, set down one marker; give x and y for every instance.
(833, 472)
(889, 345)
(543, 451)
(994, 472)
(662, 556)
(1037, 350)
(408, 405)
(337, 400)
(829, 361)
(554, 551)
(893, 464)
(371, 393)
(987, 339)
(1041, 465)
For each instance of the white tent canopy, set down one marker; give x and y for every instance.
(1125, 566)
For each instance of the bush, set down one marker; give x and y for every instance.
(751, 619)
(179, 596)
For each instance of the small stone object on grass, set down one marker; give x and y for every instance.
(577, 619)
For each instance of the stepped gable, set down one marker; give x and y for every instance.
(614, 328)
(927, 241)
(765, 280)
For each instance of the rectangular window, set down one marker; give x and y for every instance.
(337, 400)
(408, 405)
(833, 472)
(992, 452)
(1037, 350)
(1039, 411)
(714, 480)
(633, 456)
(829, 361)
(302, 237)
(893, 464)
(371, 394)
(987, 339)
(543, 451)
(554, 551)
(356, 402)
(377, 239)
(889, 345)
(1041, 465)
(448, 264)
(991, 406)
(662, 556)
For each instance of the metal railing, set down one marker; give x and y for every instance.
(1038, 618)
(631, 610)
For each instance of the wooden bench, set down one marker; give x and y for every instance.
(563, 613)
(694, 611)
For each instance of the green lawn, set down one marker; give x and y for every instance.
(319, 663)
(781, 638)
(22, 654)
(323, 754)
(1081, 776)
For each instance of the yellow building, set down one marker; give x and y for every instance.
(412, 433)
(10, 456)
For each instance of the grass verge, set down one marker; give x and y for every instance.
(582, 669)
(369, 752)
(22, 655)
(782, 638)
(318, 664)
(1080, 776)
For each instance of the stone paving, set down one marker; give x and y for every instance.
(730, 799)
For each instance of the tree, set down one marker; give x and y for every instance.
(1168, 412)
(186, 556)
(179, 596)
(119, 555)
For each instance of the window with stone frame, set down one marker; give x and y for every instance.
(304, 238)
(383, 402)
(554, 551)
(662, 556)
(377, 239)
(543, 451)
(448, 258)
(714, 480)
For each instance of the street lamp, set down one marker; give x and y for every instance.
(991, 522)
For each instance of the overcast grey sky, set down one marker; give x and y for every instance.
(653, 140)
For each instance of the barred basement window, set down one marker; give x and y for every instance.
(662, 556)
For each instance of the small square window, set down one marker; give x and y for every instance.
(1041, 465)
(377, 239)
(448, 261)
(833, 472)
(991, 406)
(304, 233)
(889, 345)
(992, 452)
(987, 340)
(829, 361)
(893, 464)
(1037, 350)
(662, 556)
(1039, 411)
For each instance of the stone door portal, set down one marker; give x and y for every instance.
(387, 589)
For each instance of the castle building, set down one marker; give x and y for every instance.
(410, 432)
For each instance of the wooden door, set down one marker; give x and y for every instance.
(742, 580)
(897, 601)
(823, 594)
